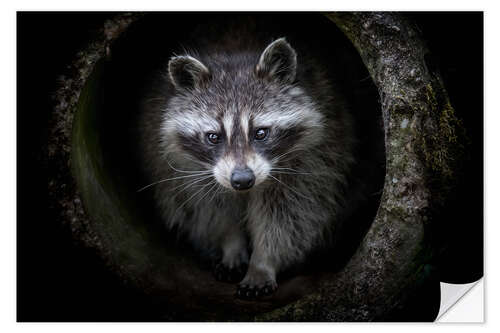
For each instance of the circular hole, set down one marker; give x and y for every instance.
(109, 165)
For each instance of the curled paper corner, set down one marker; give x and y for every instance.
(461, 302)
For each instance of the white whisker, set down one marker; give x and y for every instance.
(290, 173)
(191, 184)
(289, 187)
(192, 196)
(204, 195)
(290, 169)
(185, 171)
(169, 179)
(277, 158)
(217, 191)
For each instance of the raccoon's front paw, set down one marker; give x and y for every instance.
(230, 274)
(259, 281)
(253, 291)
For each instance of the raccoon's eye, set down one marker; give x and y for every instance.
(214, 138)
(261, 134)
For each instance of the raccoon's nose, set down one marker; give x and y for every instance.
(242, 179)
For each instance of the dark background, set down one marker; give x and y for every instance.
(60, 281)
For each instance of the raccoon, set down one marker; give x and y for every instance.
(250, 153)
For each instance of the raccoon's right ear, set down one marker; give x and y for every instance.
(187, 72)
(278, 61)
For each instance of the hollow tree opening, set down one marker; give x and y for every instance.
(110, 111)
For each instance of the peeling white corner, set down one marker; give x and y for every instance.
(462, 303)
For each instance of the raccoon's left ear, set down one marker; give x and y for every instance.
(278, 61)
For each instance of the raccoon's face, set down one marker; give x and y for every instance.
(241, 121)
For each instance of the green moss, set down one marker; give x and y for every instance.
(399, 212)
(441, 146)
(442, 141)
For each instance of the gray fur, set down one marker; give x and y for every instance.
(301, 193)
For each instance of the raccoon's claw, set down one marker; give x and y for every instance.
(247, 291)
(229, 274)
